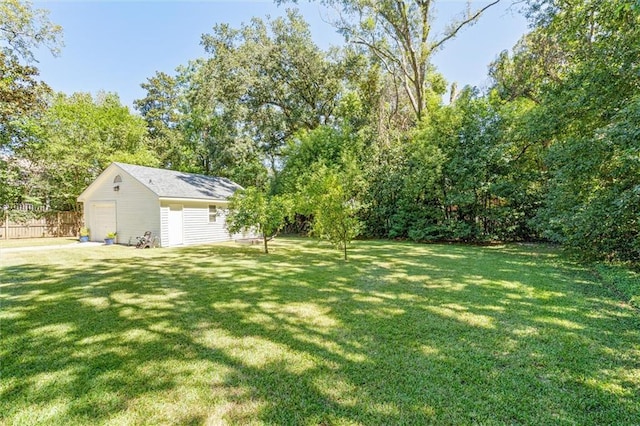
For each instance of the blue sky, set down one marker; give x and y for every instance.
(116, 45)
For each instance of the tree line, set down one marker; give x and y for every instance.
(366, 139)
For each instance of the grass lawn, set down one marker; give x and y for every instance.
(35, 242)
(400, 334)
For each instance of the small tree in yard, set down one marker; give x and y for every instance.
(252, 208)
(329, 197)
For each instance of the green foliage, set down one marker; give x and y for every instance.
(323, 146)
(13, 188)
(403, 200)
(400, 36)
(323, 171)
(23, 29)
(22, 95)
(467, 173)
(252, 208)
(24, 216)
(578, 62)
(260, 84)
(161, 109)
(594, 203)
(75, 140)
(487, 180)
(329, 197)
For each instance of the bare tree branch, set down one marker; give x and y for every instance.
(462, 24)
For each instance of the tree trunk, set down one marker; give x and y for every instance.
(266, 250)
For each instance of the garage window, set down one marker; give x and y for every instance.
(213, 213)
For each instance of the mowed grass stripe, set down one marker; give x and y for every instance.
(399, 334)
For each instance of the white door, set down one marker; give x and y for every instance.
(175, 225)
(103, 219)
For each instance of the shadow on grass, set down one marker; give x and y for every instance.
(400, 334)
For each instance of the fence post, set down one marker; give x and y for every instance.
(58, 227)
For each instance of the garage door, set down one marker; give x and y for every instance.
(103, 219)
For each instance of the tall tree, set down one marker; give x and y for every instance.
(162, 110)
(263, 82)
(22, 94)
(400, 35)
(23, 29)
(214, 123)
(76, 139)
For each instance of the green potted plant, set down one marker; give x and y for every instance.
(110, 238)
(84, 235)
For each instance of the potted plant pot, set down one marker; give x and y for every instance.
(110, 238)
(84, 235)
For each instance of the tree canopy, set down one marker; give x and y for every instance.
(72, 142)
(22, 30)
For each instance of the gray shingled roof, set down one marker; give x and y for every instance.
(173, 184)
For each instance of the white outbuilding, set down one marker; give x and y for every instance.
(179, 208)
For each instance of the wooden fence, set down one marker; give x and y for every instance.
(15, 224)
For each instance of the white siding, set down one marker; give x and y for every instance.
(164, 225)
(137, 208)
(197, 228)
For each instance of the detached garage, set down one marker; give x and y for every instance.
(179, 208)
